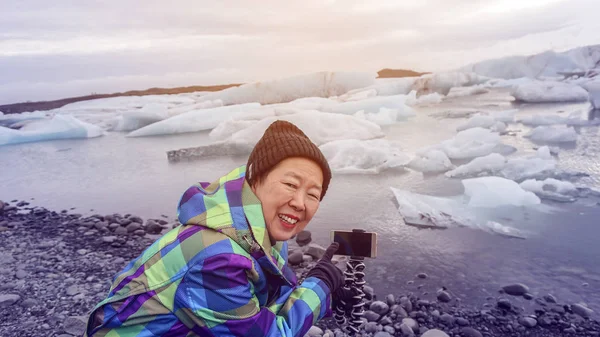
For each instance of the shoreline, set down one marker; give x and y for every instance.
(57, 265)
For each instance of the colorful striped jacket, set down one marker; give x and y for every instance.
(215, 275)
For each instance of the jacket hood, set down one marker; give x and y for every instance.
(228, 205)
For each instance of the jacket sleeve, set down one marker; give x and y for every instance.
(216, 298)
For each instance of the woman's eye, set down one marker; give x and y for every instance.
(290, 185)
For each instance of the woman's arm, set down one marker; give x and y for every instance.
(216, 298)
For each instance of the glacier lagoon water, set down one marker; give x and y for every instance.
(132, 175)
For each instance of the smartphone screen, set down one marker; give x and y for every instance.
(362, 244)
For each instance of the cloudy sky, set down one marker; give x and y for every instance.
(62, 48)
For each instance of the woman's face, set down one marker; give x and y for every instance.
(290, 195)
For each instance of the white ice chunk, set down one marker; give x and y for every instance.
(458, 113)
(487, 165)
(553, 134)
(548, 92)
(498, 127)
(493, 192)
(364, 156)
(386, 87)
(505, 116)
(575, 118)
(467, 91)
(370, 105)
(433, 98)
(519, 169)
(195, 120)
(178, 110)
(471, 143)
(322, 84)
(502, 83)
(444, 81)
(435, 212)
(12, 119)
(430, 161)
(593, 89)
(549, 185)
(386, 116)
(320, 127)
(481, 121)
(134, 120)
(358, 95)
(58, 127)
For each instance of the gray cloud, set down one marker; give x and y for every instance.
(65, 43)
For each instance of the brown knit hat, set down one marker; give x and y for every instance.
(283, 140)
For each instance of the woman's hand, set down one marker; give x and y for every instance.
(326, 271)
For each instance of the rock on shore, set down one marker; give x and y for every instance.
(56, 266)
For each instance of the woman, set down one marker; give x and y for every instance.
(224, 271)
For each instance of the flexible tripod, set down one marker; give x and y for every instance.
(349, 314)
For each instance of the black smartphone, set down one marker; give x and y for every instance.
(355, 243)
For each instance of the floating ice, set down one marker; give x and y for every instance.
(384, 87)
(364, 156)
(493, 192)
(195, 120)
(548, 92)
(433, 98)
(322, 84)
(502, 83)
(487, 165)
(370, 105)
(539, 165)
(481, 121)
(358, 95)
(386, 116)
(320, 127)
(504, 116)
(137, 119)
(443, 82)
(471, 143)
(593, 89)
(430, 161)
(58, 127)
(553, 134)
(14, 120)
(552, 189)
(546, 64)
(468, 91)
(576, 118)
(435, 212)
(458, 113)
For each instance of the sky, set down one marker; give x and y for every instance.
(64, 48)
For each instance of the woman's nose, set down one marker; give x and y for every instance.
(297, 202)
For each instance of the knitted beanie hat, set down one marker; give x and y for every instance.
(280, 141)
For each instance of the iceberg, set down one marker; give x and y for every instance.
(593, 89)
(322, 84)
(491, 192)
(576, 118)
(17, 120)
(369, 105)
(454, 114)
(468, 91)
(58, 127)
(384, 87)
(430, 161)
(386, 116)
(487, 165)
(553, 134)
(433, 98)
(471, 143)
(549, 92)
(364, 156)
(444, 81)
(546, 64)
(539, 165)
(194, 121)
(426, 211)
(504, 116)
(481, 121)
(557, 190)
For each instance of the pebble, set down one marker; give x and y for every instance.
(447, 319)
(385, 321)
(406, 330)
(379, 307)
(462, 322)
(411, 323)
(390, 300)
(152, 227)
(136, 218)
(443, 296)
(371, 327)
(82, 251)
(400, 311)
(470, 332)
(371, 316)
(315, 331)
(434, 333)
(307, 258)
(504, 304)
(369, 293)
(73, 290)
(75, 325)
(109, 239)
(528, 296)
(581, 310)
(21, 274)
(139, 232)
(295, 258)
(303, 238)
(121, 231)
(28, 303)
(8, 300)
(422, 275)
(406, 304)
(132, 227)
(528, 322)
(550, 299)
(382, 334)
(315, 251)
(516, 289)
